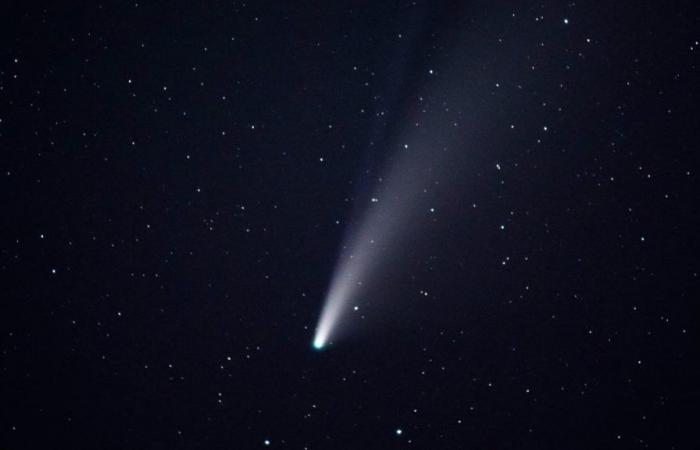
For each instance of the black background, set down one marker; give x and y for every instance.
(177, 179)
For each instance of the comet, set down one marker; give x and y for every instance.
(421, 183)
(403, 201)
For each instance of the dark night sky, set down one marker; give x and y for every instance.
(178, 178)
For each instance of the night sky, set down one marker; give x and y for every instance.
(180, 182)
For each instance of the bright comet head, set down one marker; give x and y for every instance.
(321, 337)
(318, 344)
